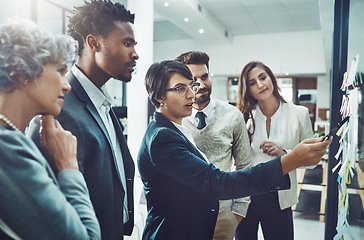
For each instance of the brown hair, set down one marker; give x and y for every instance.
(194, 57)
(246, 103)
(158, 76)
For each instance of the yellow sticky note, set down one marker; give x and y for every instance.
(338, 133)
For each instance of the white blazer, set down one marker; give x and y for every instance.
(296, 126)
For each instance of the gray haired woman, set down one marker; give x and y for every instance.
(35, 202)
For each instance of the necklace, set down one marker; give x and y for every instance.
(9, 123)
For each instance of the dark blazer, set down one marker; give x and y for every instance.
(182, 189)
(96, 160)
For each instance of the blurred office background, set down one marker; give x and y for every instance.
(293, 37)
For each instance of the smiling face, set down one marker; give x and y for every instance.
(117, 56)
(177, 105)
(201, 75)
(46, 94)
(260, 84)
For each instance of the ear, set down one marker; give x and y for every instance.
(93, 42)
(160, 100)
(19, 82)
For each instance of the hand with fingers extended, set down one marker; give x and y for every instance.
(307, 153)
(59, 145)
(271, 149)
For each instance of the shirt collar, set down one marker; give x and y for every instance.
(207, 110)
(98, 97)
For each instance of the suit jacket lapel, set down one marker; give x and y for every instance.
(82, 95)
(159, 118)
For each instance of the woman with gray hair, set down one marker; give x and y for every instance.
(37, 202)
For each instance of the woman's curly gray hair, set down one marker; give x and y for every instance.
(25, 48)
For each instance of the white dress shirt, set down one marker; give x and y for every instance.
(260, 134)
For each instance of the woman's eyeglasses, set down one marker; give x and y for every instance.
(182, 89)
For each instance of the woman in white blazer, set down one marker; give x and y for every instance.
(286, 125)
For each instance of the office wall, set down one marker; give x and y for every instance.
(323, 93)
(295, 53)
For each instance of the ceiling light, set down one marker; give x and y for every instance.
(287, 73)
(166, 4)
(186, 19)
(201, 31)
(211, 74)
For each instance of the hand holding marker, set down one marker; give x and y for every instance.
(334, 130)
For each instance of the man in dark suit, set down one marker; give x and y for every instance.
(106, 42)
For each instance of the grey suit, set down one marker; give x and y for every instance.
(34, 204)
(97, 161)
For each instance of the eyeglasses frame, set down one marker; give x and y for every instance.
(193, 84)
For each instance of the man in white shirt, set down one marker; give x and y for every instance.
(219, 131)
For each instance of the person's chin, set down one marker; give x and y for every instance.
(56, 112)
(202, 99)
(124, 78)
(57, 109)
(187, 114)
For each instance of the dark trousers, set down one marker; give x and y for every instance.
(276, 224)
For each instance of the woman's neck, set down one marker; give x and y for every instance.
(269, 107)
(169, 116)
(12, 109)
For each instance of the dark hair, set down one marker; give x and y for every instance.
(194, 57)
(96, 17)
(158, 76)
(246, 103)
